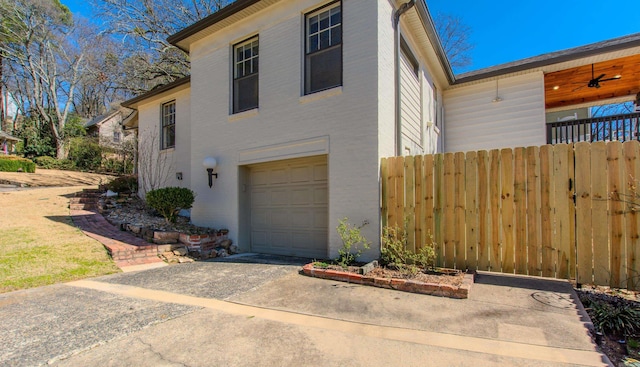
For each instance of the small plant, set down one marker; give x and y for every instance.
(124, 184)
(394, 252)
(352, 238)
(169, 201)
(620, 319)
(320, 265)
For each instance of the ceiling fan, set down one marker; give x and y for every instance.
(595, 82)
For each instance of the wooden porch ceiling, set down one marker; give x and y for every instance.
(571, 84)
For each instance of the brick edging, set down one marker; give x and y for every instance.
(405, 285)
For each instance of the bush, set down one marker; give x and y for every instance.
(394, 252)
(169, 201)
(124, 184)
(86, 153)
(15, 164)
(47, 162)
(351, 238)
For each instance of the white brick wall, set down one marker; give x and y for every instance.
(348, 118)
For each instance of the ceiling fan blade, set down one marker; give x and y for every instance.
(601, 76)
(608, 79)
(577, 89)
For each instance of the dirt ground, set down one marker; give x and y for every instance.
(53, 177)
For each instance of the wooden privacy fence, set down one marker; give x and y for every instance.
(560, 211)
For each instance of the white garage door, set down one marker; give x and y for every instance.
(289, 207)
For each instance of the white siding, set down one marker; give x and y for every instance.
(474, 122)
(411, 112)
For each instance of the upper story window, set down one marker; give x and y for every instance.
(116, 136)
(168, 132)
(245, 75)
(323, 54)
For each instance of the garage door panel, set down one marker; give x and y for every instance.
(289, 210)
(260, 197)
(260, 218)
(320, 172)
(301, 174)
(302, 196)
(279, 176)
(279, 197)
(320, 196)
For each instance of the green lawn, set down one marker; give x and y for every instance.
(39, 244)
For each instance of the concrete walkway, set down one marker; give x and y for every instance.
(238, 313)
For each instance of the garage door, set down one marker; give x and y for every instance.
(289, 207)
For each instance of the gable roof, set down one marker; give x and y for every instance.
(98, 119)
(615, 44)
(131, 103)
(5, 136)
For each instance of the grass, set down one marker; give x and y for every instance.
(40, 246)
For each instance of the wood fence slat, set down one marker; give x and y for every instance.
(572, 214)
(438, 207)
(632, 161)
(616, 212)
(584, 235)
(546, 214)
(484, 239)
(520, 205)
(495, 192)
(408, 216)
(508, 228)
(599, 213)
(471, 210)
(534, 250)
(429, 224)
(392, 195)
(563, 199)
(459, 211)
(419, 202)
(449, 210)
(400, 199)
(384, 182)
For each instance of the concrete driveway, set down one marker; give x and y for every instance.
(258, 311)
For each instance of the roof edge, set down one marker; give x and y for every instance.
(156, 91)
(210, 20)
(550, 58)
(432, 34)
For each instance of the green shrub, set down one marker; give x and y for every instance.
(47, 162)
(394, 252)
(86, 153)
(15, 164)
(124, 184)
(351, 238)
(618, 319)
(169, 201)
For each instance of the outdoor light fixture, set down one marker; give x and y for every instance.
(497, 99)
(210, 163)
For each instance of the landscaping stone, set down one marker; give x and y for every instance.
(180, 251)
(225, 244)
(161, 237)
(233, 249)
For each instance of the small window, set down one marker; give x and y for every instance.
(323, 48)
(168, 138)
(245, 75)
(116, 136)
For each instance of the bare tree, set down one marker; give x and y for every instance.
(143, 27)
(153, 168)
(454, 35)
(44, 58)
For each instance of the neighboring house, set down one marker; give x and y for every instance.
(506, 105)
(297, 101)
(7, 143)
(108, 127)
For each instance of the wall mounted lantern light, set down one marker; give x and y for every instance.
(210, 163)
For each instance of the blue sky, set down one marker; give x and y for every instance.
(504, 31)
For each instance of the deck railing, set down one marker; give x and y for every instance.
(622, 128)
